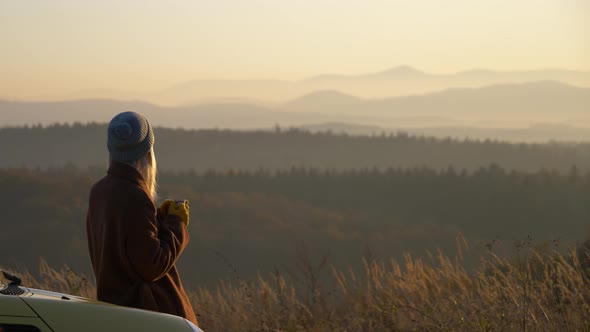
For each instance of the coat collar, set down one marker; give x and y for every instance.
(128, 172)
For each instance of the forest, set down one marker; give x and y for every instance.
(249, 222)
(83, 145)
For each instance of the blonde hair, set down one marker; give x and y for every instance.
(147, 167)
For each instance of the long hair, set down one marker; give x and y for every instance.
(148, 169)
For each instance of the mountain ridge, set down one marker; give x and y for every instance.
(390, 82)
(514, 104)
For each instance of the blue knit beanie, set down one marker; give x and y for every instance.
(130, 137)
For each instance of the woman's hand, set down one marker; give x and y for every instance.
(163, 209)
(177, 208)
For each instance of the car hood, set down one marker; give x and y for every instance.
(43, 294)
(63, 313)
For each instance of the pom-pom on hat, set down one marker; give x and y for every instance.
(129, 137)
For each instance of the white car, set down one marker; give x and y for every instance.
(25, 309)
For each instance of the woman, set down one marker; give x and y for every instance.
(134, 246)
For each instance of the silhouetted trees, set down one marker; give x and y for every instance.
(84, 145)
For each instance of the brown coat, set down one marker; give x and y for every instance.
(132, 248)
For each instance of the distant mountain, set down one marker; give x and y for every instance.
(510, 103)
(492, 106)
(206, 115)
(325, 100)
(391, 82)
(484, 75)
(399, 72)
(570, 76)
(197, 116)
(89, 110)
(197, 90)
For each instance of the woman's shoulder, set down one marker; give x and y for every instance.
(116, 187)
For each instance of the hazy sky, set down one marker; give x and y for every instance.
(60, 46)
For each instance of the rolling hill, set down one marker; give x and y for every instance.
(391, 82)
(506, 105)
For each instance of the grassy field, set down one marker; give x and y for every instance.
(536, 291)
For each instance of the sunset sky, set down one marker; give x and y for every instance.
(52, 47)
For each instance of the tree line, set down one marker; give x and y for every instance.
(280, 149)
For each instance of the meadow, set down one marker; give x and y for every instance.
(540, 289)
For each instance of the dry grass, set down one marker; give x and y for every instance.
(537, 292)
(63, 280)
